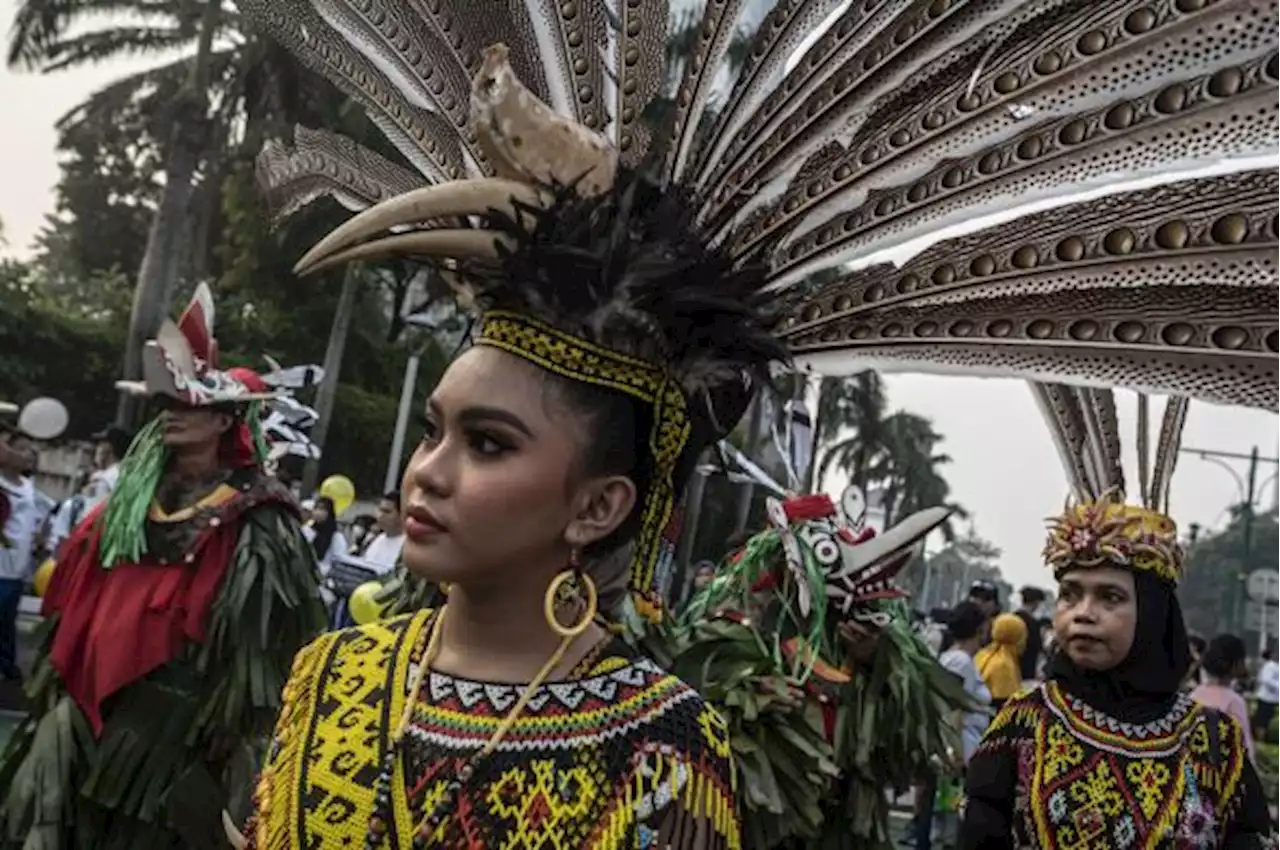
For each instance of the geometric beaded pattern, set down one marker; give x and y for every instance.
(1086, 781)
(616, 759)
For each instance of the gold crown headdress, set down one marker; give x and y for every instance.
(1096, 527)
(847, 132)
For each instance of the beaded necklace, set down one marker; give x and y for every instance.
(430, 821)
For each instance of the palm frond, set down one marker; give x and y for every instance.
(109, 44)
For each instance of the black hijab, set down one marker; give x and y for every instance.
(1144, 686)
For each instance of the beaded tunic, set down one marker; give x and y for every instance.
(1086, 781)
(620, 755)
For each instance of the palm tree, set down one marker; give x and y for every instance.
(212, 90)
(856, 403)
(908, 468)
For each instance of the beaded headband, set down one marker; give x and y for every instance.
(580, 360)
(1107, 532)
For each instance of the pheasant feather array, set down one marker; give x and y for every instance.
(1070, 192)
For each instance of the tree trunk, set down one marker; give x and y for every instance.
(332, 368)
(162, 260)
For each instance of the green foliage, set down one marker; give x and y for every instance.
(896, 723)
(785, 766)
(56, 353)
(1268, 764)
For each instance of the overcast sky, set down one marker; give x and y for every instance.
(1005, 471)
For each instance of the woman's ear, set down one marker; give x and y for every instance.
(601, 505)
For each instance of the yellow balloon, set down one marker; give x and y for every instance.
(42, 577)
(363, 604)
(339, 490)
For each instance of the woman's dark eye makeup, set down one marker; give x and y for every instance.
(483, 442)
(487, 444)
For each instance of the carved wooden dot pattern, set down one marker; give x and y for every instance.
(904, 117)
(1190, 125)
(300, 29)
(941, 117)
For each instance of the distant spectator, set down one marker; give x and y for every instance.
(1032, 599)
(383, 552)
(1000, 661)
(323, 534)
(21, 519)
(1223, 663)
(112, 445)
(1268, 694)
(703, 574)
(986, 596)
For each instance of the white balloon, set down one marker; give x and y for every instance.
(43, 418)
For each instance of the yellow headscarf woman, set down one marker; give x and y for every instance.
(1000, 661)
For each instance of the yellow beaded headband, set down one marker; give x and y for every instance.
(580, 360)
(1108, 532)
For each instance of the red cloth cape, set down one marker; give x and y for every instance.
(116, 626)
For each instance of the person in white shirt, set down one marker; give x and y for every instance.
(1267, 695)
(113, 444)
(383, 552)
(21, 517)
(380, 556)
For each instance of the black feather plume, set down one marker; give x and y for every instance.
(631, 270)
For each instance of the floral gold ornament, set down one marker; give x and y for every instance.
(1108, 532)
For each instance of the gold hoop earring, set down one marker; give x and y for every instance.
(552, 596)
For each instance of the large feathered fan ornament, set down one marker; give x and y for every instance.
(1068, 192)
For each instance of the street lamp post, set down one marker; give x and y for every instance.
(1246, 491)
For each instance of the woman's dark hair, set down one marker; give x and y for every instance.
(1197, 642)
(1032, 595)
(618, 443)
(325, 529)
(966, 621)
(1224, 656)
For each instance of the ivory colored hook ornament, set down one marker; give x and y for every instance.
(234, 835)
(446, 200)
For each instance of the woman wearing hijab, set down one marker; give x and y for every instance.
(1000, 661)
(1108, 752)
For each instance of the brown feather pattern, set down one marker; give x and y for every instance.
(921, 157)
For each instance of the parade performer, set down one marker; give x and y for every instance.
(852, 135)
(613, 344)
(172, 616)
(1108, 752)
(830, 696)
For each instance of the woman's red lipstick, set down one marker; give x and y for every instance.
(420, 524)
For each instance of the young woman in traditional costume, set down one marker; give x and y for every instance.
(1109, 752)
(174, 611)
(613, 344)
